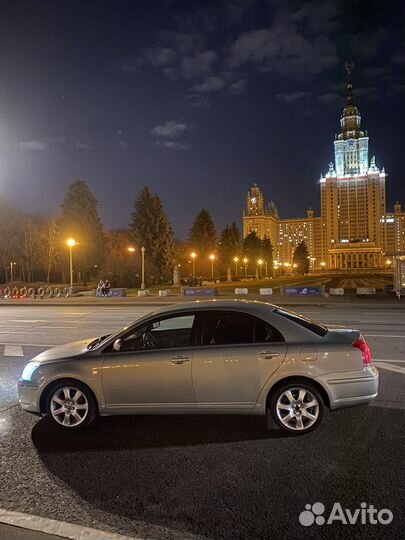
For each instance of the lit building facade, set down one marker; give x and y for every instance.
(354, 230)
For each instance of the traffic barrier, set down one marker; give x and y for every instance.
(365, 290)
(144, 292)
(65, 292)
(303, 291)
(41, 292)
(31, 292)
(266, 291)
(242, 290)
(57, 292)
(165, 292)
(199, 291)
(48, 292)
(336, 291)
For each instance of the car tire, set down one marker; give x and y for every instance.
(71, 405)
(296, 407)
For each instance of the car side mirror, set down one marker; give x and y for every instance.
(117, 344)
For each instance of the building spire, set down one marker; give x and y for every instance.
(349, 66)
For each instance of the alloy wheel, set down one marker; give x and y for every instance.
(69, 406)
(297, 408)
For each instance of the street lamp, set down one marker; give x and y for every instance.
(131, 251)
(260, 262)
(143, 267)
(193, 256)
(12, 266)
(212, 257)
(323, 264)
(245, 261)
(71, 242)
(236, 260)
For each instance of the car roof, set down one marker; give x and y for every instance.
(248, 306)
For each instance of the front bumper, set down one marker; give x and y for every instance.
(351, 388)
(28, 395)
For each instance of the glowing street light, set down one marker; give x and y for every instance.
(143, 267)
(323, 264)
(193, 256)
(245, 261)
(131, 250)
(212, 258)
(12, 266)
(236, 260)
(260, 262)
(71, 242)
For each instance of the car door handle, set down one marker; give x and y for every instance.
(267, 355)
(180, 359)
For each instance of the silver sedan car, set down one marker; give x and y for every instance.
(210, 357)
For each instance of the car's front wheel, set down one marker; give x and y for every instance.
(71, 405)
(296, 407)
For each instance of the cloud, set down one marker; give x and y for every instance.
(395, 89)
(293, 96)
(82, 146)
(210, 84)
(33, 145)
(330, 97)
(170, 129)
(198, 66)
(161, 56)
(173, 145)
(238, 87)
(197, 101)
(398, 59)
(283, 49)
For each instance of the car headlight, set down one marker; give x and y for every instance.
(29, 370)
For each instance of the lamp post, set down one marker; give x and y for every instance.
(245, 261)
(323, 264)
(260, 262)
(236, 260)
(12, 266)
(131, 251)
(193, 256)
(212, 258)
(143, 267)
(71, 242)
(266, 268)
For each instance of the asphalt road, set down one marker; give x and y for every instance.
(214, 477)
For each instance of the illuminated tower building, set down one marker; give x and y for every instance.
(352, 197)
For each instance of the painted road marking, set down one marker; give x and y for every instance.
(390, 367)
(383, 335)
(57, 528)
(13, 350)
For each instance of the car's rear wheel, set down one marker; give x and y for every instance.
(297, 407)
(71, 405)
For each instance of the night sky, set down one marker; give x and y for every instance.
(197, 100)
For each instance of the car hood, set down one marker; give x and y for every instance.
(60, 352)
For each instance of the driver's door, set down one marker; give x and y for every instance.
(152, 368)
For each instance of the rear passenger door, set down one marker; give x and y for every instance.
(235, 355)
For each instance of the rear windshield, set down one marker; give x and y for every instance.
(302, 321)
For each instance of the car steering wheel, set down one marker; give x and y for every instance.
(148, 340)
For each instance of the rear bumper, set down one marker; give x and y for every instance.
(351, 388)
(29, 397)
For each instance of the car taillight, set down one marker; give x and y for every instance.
(365, 351)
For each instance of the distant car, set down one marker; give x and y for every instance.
(211, 357)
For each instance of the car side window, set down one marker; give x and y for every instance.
(161, 333)
(222, 328)
(266, 333)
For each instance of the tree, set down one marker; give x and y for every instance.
(152, 230)
(267, 251)
(229, 243)
(301, 258)
(252, 247)
(80, 220)
(203, 235)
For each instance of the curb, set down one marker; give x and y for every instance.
(57, 528)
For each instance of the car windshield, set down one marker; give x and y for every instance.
(314, 327)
